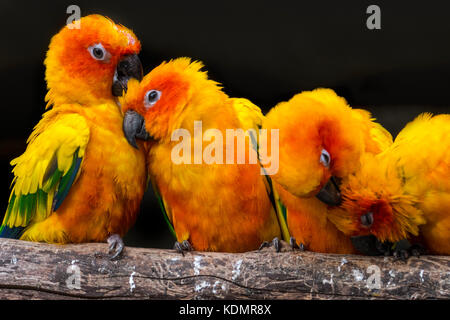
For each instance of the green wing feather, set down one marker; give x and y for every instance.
(282, 216)
(251, 117)
(164, 207)
(44, 173)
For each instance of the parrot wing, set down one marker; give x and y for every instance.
(249, 114)
(164, 207)
(47, 169)
(379, 139)
(281, 211)
(251, 117)
(380, 136)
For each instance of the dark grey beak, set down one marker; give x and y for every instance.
(330, 193)
(134, 128)
(129, 67)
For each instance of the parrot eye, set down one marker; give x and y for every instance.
(99, 53)
(325, 158)
(151, 97)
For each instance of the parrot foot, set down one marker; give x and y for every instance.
(403, 254)
(183, 246)
(385, 248)
(294, 244)
(116, 245)
(417, 250)
(275, 243)
(403, 250)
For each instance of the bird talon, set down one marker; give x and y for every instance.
(295, 246)
(402, 255)
(116, 246)
(417, 250)
(263, 245)
(415, 253)
(183, 246)
(111, 248)
(293, 243)
(275, 243)
(178, 248)
(186, 246)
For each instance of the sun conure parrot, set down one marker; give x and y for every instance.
(79, 180)
(404, 192)
(213, 204)
(321, 139)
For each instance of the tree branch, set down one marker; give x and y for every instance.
(43, 271)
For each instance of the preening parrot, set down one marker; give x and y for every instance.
(404, 192)
(321, 140)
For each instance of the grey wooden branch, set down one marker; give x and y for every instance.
(43, 271)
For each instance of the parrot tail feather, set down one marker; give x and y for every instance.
(11, 233)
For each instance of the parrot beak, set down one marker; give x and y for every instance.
(330, 193)
(134, 127)
(129, 67)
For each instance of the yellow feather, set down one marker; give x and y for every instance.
(59, 132)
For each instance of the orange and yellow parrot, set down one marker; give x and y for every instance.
(212, 202)
(321, 140)
(404, 192)
(79, 180)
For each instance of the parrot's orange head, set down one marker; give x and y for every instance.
(320, 142)
(92, 62)
(374, 203)
(156, 106)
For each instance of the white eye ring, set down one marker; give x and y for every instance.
(325, 158)
(151, 97)
(99, 53)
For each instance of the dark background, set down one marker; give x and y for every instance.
(262, 50)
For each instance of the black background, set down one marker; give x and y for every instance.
(262, 50)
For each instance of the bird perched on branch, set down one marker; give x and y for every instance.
(404, 192)
(213, 199)
(78, 179)
(321, 140)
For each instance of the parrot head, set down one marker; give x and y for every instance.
(92, 63)
(320, 142)
(374, 203)
(156, 106)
